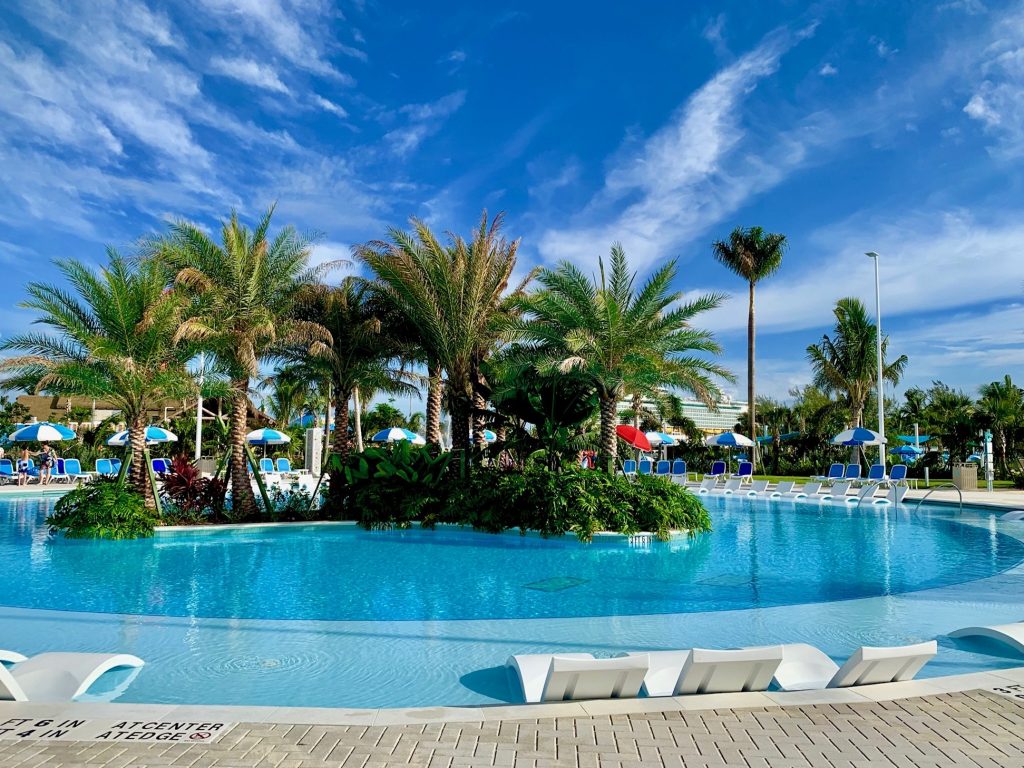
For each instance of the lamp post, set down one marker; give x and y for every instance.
(878, 346)
(199, 408)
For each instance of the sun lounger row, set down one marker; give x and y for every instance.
(876, 474)
(58, 676)
(812, 491)
(794, 667)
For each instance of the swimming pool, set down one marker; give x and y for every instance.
(331, 615)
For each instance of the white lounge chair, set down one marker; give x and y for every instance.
(808, 490)
(731, 486)
(757, 488)
(1011, 634)
(1017, 514)
(574, 676)
(782, 488)
(678, 673)
(58, 676)
(10, 657)
(805, 667)
(838, 492)
(707, 485)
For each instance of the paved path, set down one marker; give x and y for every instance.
(974, 728)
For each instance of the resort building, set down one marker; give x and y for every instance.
(724, 418)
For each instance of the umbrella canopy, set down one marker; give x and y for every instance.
(858, 436)
(43, 432)
(267, 437)
(782, 438)
(660, 438)
(907, 451)
(730, 439)
(489, 436)
(909, 439)
(154, 434)
(397, 434)
(633, 436)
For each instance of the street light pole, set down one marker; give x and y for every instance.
(878, 349)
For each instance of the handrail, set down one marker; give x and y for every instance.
(937, 487)
(871, 486)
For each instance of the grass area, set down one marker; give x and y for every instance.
(1006, 484)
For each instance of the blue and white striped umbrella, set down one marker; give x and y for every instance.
(267, 437)
(397, 434)
(858, 436)
(489, 436)
(43, 432)
(660, 438)
(730, 439)
(154, 434)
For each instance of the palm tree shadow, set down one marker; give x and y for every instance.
(494, 682)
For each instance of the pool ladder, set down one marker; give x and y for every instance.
(936, 488)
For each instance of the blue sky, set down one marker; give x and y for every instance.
(849, 126)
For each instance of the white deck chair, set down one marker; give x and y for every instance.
(10, 657)
(1017, 514)
(783, 488)
(804, 667)
(1011, 634)
(747, 669)
(808, 490)
(757, 488)
(570, 677)
(731, 486)
(707, 485)
(59, 676)
(838, 492)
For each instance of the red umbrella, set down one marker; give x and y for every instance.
(633, 436)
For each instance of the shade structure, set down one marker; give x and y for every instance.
(43, 432)
(661, 438)
(907, 451)
(782, 438)
(267, 437)
(397, 434)
(154, 434)
(858, 436)
(731, 439)
(633, 436)
(489, 436)
(305, 421)
(910, 439)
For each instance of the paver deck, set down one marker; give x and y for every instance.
(972, 728)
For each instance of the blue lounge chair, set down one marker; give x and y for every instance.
(679, 469)
(116, 465)
(717, 470)
(161, 466)
(104, 467)
(662, 468)
(745, 471)
(73, 468)
(58, 472)
(876, 473)
(835, 472)
(852, 472)
(267, 466)
(644, 467)
(7, 473)
(284, 465)
(629, 467)
(898, 474)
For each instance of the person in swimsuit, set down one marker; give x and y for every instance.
(23, 467)
(46, 462)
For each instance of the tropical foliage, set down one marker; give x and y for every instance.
(102, 510)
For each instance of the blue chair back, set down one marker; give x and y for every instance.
(31, 464)
(284, 465)
(115, 464)
(104, 467)
(662, 467)
(852, 472)
(678, 467)
(629, 467)
(6, 467)
(746, 469)
(58, 468)
(644, 468)
(877, 472)
(898, 472)
(717, 468)
(836, 471)
(161, 466)
(72, 466)
(266, 465)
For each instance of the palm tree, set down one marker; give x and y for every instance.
(454, 298)
(1001, 409)
(361, 353)
(243, 293)
(114, 341)
(753, 254)
(846, 363)
(620, 339)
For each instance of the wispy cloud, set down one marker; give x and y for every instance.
(828, 70)
(424, 120)
(998, 101)
(329, 106)
(249, 72)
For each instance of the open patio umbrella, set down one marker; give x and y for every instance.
(267, 437)
(661, 438)
(907, 451)
(154, 434)
(397, 434)
(633, 436)
(858, 436)
(43, 432)
(729, 439)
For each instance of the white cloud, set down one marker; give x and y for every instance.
(998, 101)
(329, 106)
(828, 70)
(425, 120)
(713, 33)
(435, 110)
(249, 72)
(882, 48)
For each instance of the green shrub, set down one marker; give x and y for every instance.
(102, 510)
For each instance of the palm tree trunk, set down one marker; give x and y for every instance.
(138, 477)
(342, 449)
(434, 406)
(479, 407)
(638, 403)
(243, 502)
(608, 419)
(751, 401)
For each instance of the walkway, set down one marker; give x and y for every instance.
(975, 728)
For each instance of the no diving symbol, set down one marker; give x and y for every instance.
(199, 735)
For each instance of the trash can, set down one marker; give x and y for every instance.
(965, 476)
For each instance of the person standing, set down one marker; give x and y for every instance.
(23, 467)
(46, 462)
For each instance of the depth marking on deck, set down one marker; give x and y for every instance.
(88, 729)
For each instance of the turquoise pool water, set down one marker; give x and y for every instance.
(333, 615)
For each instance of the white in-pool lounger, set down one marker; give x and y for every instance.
(731, 486)
(805, 667)
(783, 488)
(574, 676)
(1011, 634)
(57, 676)
(839, 492)
(677, 673)
(757, 488)
(707, 485)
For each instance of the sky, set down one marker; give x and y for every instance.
(895, 127)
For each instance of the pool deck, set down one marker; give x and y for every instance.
(874, 726)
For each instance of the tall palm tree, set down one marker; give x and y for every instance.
(846, 363)
(1001, 409)
(360, 353)
(243, 292)
(753, 254)
(619, 338)
(455, 298)
(113, 340)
